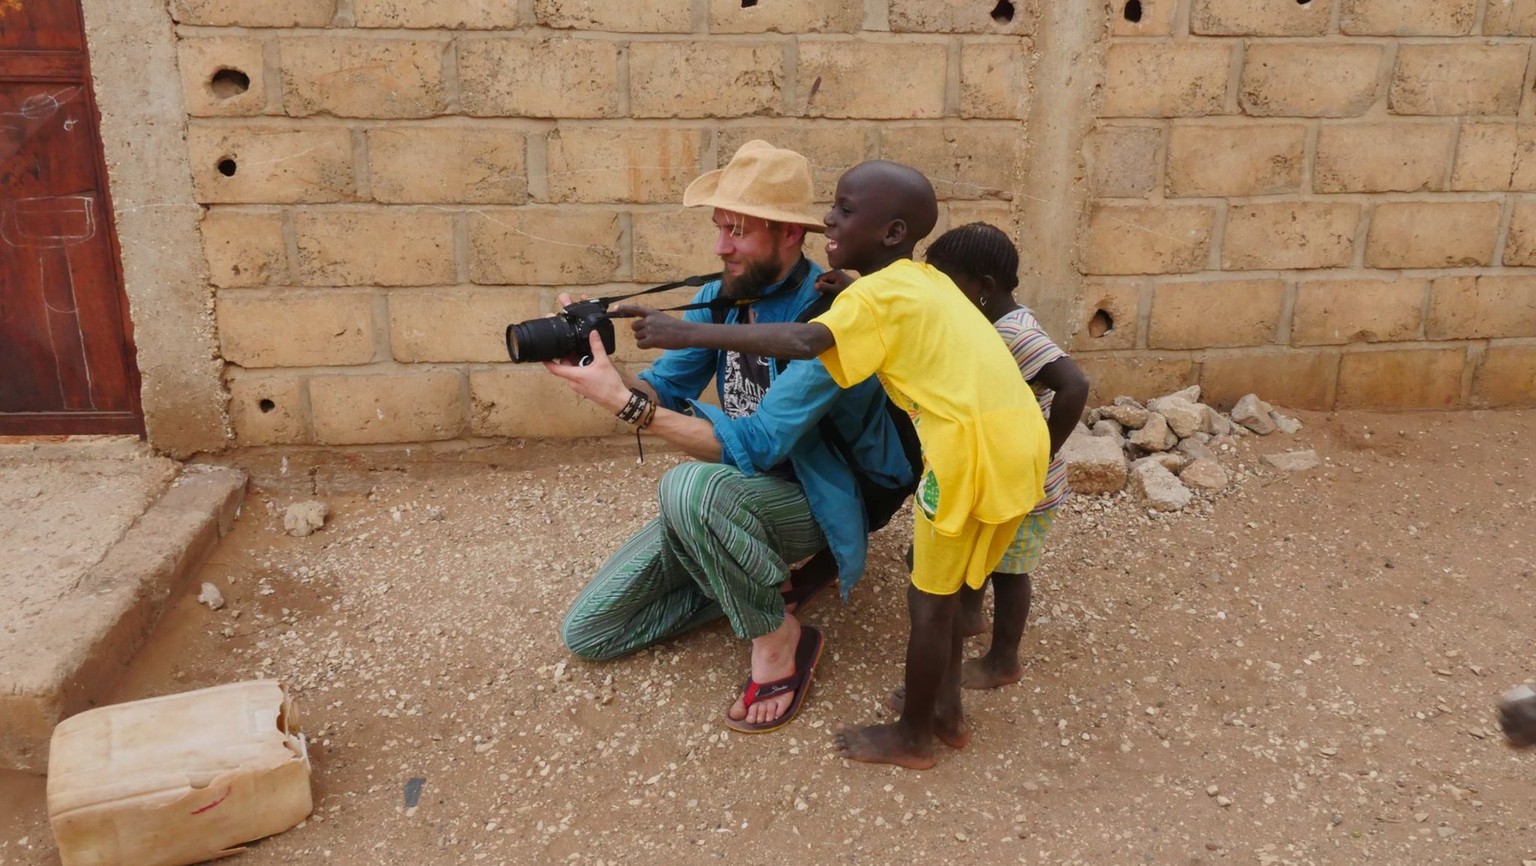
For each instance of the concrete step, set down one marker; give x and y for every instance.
(88, 559)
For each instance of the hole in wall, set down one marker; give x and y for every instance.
(1133, 11)
(1101, 323)
(227, 167)
(1002, 13)
(748, 4)
(266, 405)
(1302, 2)
(229, 83)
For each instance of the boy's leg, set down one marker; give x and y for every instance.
(970, 620)
(1010, 610)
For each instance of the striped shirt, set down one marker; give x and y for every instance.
(1033, 349)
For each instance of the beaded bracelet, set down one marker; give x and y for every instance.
(639, 411)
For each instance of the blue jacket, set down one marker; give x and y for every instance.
(785, 423)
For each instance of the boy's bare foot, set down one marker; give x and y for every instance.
(970, 623)
(882, 744)
(983, 674)
(954, 733)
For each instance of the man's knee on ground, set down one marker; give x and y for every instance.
(583, 641)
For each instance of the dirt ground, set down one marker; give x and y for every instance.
(1299, 670)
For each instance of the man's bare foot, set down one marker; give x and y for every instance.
(982, 674)
(954, 733)
(773, 658)
(883, 744)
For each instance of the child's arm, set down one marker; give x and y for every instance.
(1071, 387)
(792, 340)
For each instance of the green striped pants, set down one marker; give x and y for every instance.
(722, 546)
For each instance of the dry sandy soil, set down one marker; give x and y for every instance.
(1298, 670)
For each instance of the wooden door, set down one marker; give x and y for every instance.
(66, 347)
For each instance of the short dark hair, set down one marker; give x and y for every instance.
(977, 250)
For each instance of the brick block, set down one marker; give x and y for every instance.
(1208, 315)
(1143, 375)
(1107, 316)
(958, 213)
(665, 79)
(1510, 18)
(832, 150)
(432, 14)
(457, 325)
(222, 76)
(787, 16)
(623, 163)
(1122, 160)
(1482, 308)
(1495, 156)
(995, 80)
(447, 164)
(1287, 235)
(1155, 79)
(958, 16)
(1453, 78)
(1506, 379)
(672, 244)
(267, 410)
(1334, 312)
(268, 163)
(1288, 379)
(1148, 239)
(363, 77)
(373, 408)
(295, 330)
(1432, 234)
(532, 403)
(243, 13)
(379, 247)
(1299, 80)
(1383, 157)
(833, 79)
(245, 248)
(1520, 249)
(1406, 379)
(1259, 18)
(639, 16)
(1391, 18)
(964, 161)
(543, 247)
(1143, 17)
(550, 77)
(1224, 160)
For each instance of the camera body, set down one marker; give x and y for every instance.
(566, 334)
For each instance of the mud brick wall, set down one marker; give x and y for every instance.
(388, 183)
(1328, 202)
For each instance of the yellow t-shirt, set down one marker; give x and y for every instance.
(984, 439)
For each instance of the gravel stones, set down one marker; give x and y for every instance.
(211, 596)
(1253, 413)
(1205, 473)
(1131, 417)
(1154, 435)
(1161, 490)
(303, 518)
(1293, 461)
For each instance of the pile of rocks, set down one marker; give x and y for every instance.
(1166, 447)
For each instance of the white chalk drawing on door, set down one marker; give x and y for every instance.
(49, 226)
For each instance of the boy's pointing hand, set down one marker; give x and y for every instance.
(656, 330)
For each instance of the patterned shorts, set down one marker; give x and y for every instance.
(1023, 555)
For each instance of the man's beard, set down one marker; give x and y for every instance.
(754, 279)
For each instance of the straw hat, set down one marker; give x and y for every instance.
(762, 181)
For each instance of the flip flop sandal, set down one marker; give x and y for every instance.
(807, 653)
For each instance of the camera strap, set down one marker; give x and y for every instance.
(718, 303)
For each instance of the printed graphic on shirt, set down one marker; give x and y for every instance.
(927, 496)
(746, 379)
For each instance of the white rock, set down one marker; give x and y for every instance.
(1293, 461)
(1095, 464)
(1129, 417)
(1108, 427)
(1285, 423)
(1188, 395)
(303, 518)
(1184, 418)
(1169, 460)
(1194, 449)
(1253, 413)
(1154, 435)
(1159, 487)
(1218, 424)
(1205, 473)
(211, 596)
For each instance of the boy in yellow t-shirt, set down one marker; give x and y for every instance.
(984, 439)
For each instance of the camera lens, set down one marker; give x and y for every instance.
(542, 340)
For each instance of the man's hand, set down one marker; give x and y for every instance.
(832, 282)
(599, 381)
(655, 330)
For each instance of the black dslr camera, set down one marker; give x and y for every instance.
(563, 335)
